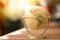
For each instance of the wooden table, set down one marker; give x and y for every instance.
(21, 34)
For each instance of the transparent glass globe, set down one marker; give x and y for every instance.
(36, 21)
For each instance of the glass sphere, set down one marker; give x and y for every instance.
(36, 21)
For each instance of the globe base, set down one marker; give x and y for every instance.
(34, 36)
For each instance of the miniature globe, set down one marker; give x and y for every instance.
(36, 21)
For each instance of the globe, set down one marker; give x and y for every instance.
(36, 21)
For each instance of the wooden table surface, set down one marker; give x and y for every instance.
(21, 34)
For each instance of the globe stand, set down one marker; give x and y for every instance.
(33, 37)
